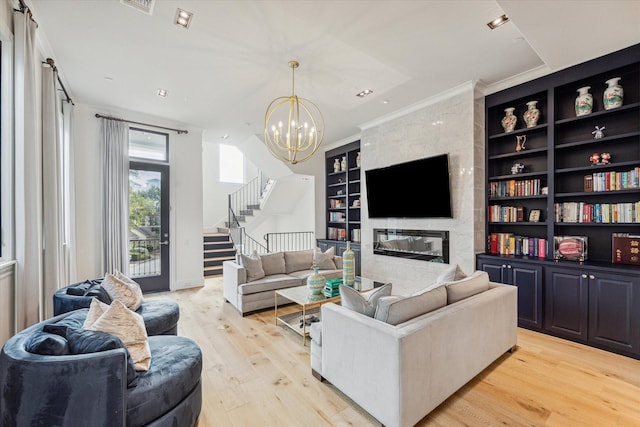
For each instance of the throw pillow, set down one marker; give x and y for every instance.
(96, 310)
(121, 288)
(273, 263)
(253, 265)
(451, 274)
(298, 260)
(476, 283)
(47, 344)
(84, 341)
(324, 260)
(365, 302)
(398, 309)
(127, 325)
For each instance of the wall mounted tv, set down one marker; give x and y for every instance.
(415, 189)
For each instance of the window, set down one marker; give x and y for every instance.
(144, 144)
(231, 164)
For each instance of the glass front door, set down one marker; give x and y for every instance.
(149, 225)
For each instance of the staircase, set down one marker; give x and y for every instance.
(218, 247)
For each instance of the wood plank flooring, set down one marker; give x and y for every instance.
(257, 374)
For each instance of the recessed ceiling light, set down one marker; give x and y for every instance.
(163, 93)
(498, 21)
(183, 18)
(385, 101)
(364, 93)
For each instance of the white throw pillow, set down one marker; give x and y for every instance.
(365, 302)
(451, 274)
(96, 310)
(127, 325)
(253, 265)
(324, 260)
(121, 288)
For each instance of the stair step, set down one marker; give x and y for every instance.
(215, 268)
(254, 207)
(216, 237)
(213, 273)
(218, 245)
(217, 262)
(246, 212)
(220, 252)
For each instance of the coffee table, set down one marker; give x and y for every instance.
(309, 305)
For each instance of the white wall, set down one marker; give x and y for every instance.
(447, 124)
(185, 156)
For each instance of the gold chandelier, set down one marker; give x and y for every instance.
(293, 134)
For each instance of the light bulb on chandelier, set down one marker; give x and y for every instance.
(303, 134)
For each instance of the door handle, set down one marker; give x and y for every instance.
(166, 242)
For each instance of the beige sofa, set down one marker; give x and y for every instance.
(249, 289)
(401, 373)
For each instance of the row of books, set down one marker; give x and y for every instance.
(510, 244)
(498, 213)
(612, 181)
(355, 235)
(334, 233)
(513, 188)
(337, 217)
(336, 203)
(605, 213)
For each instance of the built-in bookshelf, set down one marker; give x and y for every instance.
(562, 211)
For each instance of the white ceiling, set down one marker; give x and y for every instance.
(223, 72)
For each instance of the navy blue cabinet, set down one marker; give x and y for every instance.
(566, 303)
(527, 277)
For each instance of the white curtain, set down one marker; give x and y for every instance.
(115, 181)
(68, 159)
(54, 274)
(28, 175)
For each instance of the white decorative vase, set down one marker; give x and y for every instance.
(343, 164)
(584, 101)
(532, 114)
(358, 159)
(509, 120)
(336, 165)
(613, 94)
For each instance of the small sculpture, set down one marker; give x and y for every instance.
(595, 159)
(597, 134)
(521, 140)
(517, 168)
(600, 158)
(604, 158)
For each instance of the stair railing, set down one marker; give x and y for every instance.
(248, 195)
(244, 243)
(290, 241)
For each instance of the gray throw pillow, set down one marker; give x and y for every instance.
(398, 309)
(273, 263)
(476, 283)
(365, 302)
(324, 260)
(298, 260)
(451, 274)
(253, 265)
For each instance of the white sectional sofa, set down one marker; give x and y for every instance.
(251, 284)
(400, 373)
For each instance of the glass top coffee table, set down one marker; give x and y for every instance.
(309, 306)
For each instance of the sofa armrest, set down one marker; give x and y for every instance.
(233, 275)
(71, 390)
(337, 259)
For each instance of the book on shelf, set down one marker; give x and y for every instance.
(515, 188)
(334, 233)
(613, 180)
(499, 213)
(510, 244)
(600, 213)
(337, 217)
(355, 235)
(625, 249)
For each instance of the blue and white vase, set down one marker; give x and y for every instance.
(613, 94)
(584, 101)
(348, 267)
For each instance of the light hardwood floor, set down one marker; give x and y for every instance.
(258, 374)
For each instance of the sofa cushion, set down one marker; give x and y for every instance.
(298, 260)
(160, 316)
(269, 283)
(89, 288)
(324, 260)
(47, 344)
(253, 265)
(120, 287)
(363, 302)
(476, 283)
(273, 263)
(175, 371)
(327, 274)
(118, 320)
(398, 309)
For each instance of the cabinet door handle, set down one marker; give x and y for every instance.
(504, 265)
(591, 276)
(509, 266)
(584, 276)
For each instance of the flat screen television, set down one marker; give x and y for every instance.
(415, 189)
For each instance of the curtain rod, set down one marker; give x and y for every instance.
(178, 131)
(50, 62)
(24, 8)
